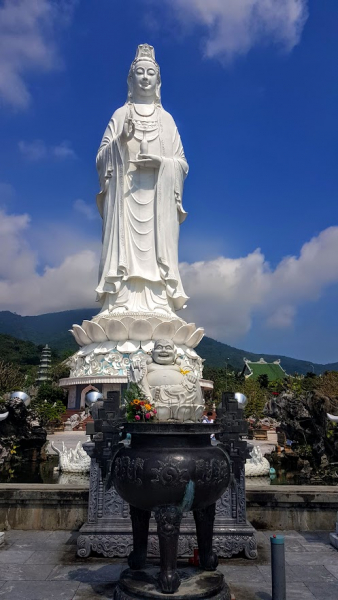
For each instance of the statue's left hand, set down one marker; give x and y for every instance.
(151, 161)
(191, 377)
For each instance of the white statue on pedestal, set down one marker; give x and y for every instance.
(170, 386)
(142, 167)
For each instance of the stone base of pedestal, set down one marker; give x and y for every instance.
(109, 532)
(195, 585)
(114, 539)
(334, 540)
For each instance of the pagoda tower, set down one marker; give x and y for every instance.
(45, 364)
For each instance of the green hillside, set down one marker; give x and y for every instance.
(217, 354)
(19, 352)
(52, 329)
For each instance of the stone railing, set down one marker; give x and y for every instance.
(42, 506)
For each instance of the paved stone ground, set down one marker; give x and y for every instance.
(42, 565)
(70, 439)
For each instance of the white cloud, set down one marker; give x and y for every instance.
(38, 150)
(226, 294)
(28, 43)
(64, 150)
(24, 290)
(233, 27)
(88, 210)
(34, 151)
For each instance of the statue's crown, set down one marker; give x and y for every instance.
(144, 51)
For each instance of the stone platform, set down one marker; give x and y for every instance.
(41, 565)
(195, 585)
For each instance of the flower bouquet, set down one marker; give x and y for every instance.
(138, 407)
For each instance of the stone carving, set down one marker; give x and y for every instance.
(168, 383)
(72, 461)
(127, 469)
(168, 519)
(223, 504)
(226, 546)
(108, 545)
(241, 500)
(257, 465)
(169, 473)
(111, 503)
(95, 474)
(115, 331)
(211, 471)
(101, 360)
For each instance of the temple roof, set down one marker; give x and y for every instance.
(273, 370)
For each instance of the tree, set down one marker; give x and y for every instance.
(327, 385)
(50, 392)
(48, 411)
(11, 379)
(263, 380)
(225, 380)
(257, 398)
(59, 371)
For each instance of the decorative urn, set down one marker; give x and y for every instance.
(171, 468)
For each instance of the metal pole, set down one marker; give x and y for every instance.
(278, 567)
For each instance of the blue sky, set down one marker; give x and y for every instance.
(253, 88)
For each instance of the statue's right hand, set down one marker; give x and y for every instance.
(128, 129)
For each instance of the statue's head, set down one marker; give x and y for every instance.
(164, 352)
(144, 79)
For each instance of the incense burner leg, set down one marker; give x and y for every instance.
(140, 522)
(168, 520)
(204, 519)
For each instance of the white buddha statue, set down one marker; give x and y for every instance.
(142, 167)
(168, 383)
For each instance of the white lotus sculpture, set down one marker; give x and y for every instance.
(72, 461)
(257, 465)
(130, 333)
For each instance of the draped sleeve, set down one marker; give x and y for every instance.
(105, 159)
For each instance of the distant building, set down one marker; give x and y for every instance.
(45, 364)
(273, 370)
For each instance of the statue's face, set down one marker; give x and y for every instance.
(145, 78)
(164, 352)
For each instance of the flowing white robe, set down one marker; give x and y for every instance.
(141, 210)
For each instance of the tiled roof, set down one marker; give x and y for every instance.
(273, 370)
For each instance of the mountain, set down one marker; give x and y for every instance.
(19, 352)
(217, 354)
(52, 329)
